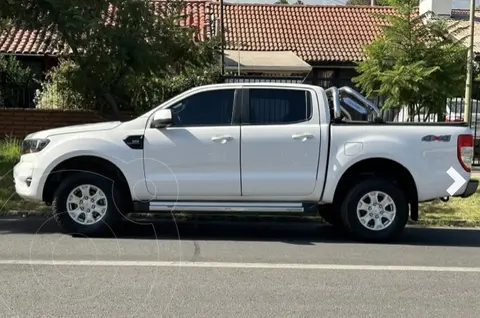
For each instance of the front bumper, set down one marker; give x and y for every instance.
(472, 187)
(26, 184)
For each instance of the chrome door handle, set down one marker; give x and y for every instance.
(222, 139)
(303, 136)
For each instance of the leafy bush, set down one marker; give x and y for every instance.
(57, 92)
(64, 89)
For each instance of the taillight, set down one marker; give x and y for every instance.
(465, 151)
(454, 119)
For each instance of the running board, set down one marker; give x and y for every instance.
(162, 206)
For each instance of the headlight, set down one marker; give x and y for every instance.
(33, 145)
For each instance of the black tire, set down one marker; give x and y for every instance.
(105, 226)
(349, 210)
(331, 216)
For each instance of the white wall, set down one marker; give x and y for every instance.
(439, 7)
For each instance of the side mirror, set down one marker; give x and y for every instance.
(162, 118)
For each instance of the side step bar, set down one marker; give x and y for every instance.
(164, 206)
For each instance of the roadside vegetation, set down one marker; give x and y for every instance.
(10, 202)
(456, 212)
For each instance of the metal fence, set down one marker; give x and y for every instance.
(262, 79)
(16, 96)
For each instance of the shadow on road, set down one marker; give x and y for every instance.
(292, 233)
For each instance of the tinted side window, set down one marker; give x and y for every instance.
(210, 108)
(279, 106)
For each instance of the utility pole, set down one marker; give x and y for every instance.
(468, 85)
(223, 37)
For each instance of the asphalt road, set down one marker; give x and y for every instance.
(236, 271)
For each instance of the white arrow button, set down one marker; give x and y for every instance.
(459, 181)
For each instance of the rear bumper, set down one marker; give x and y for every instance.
(472, 187)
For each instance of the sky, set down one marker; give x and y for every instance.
(457, 4)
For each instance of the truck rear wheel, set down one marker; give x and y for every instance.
(375, 210)
(87, 204)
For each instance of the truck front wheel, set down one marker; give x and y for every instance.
(87, 204)
(375, 210)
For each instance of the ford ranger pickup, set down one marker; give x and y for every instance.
(265, 148)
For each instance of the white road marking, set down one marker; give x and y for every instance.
(239, 265)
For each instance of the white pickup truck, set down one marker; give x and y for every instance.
(248, 147)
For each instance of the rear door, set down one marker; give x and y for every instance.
(280, 142)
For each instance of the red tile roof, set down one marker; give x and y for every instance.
(19, 41)
(313, 32)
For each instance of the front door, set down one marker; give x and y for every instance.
(280, 143)
(199, 155)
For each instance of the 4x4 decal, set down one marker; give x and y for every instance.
(445, 138)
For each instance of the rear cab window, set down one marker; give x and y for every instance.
(273, 106)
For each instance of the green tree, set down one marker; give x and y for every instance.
(117, 46)
(414, 64)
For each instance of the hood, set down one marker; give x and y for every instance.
(74, 129)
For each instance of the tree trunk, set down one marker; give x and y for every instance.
(113, 104)
(411, 113)
(440, 117)
(427, 115)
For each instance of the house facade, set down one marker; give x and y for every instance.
(289, 38)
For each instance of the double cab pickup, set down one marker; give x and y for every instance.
(266, 148)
